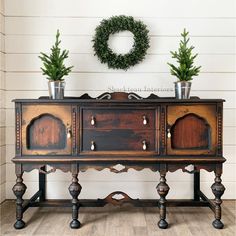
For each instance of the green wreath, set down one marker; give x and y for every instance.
(114, 25)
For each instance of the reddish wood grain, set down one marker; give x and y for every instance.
(118, 118)
(46, 132)
(118, 140)
(190, 132)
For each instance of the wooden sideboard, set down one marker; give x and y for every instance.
(119, 130)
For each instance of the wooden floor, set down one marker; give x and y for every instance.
(118, 221)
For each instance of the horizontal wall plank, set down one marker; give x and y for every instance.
(229, 153)
(227, 95)
(229, 117)
(229, 137)
(2, 42)
(3, 155)
(2, 80)
(2, 192)
(2, 61)
(91, 190)
(149, 8)
(2, 136)
(2, 98)
(86, 26)
(3, 173)
(229, 174)
(119, 43)
(153, 82)
(2, 6)
(2, 117)
(2, 24)
(90, 63)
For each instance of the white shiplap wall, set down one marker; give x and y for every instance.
(2, 108)
(30, 27)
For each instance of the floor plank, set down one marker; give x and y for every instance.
(118, 221)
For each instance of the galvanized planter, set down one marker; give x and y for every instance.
(56, 89)
(182, 89)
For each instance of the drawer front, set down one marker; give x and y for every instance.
(118, 140)
(118, 118)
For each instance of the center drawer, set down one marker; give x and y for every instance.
(104, 118)
(118, 140)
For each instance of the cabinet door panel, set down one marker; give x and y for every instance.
(44, 130)
(191, 130)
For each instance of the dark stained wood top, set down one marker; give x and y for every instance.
(159, 100)
(103, 159)
(118, 97)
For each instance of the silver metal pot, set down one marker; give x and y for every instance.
(182, 89)
(56, 89)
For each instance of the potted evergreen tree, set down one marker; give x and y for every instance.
(186, 69)
(55, 69)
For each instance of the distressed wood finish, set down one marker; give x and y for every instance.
(190, 132)
(198, 123)
(119, 140)
(128, 118)
(44, 129)
(119, 131)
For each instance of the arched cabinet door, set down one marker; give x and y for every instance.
(191, 130)
(45, 130)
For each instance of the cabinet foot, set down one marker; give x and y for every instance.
(162, 224)
(218, 224)
(20, 224)
(75, 224)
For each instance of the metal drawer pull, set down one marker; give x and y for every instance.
(93, 121)
(168, 133)
(92, 146)
(68, 132)
(144, 145)
(145, 120)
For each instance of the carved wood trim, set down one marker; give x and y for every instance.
(152, 167)
(27, 167)
(74, 133)
(163, 130)
(219, 129)
(112, 200)
(124, 96)
(48, 171)
(18, 129)
(175, 167)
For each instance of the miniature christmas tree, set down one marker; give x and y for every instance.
(54, 66)
(186, 69)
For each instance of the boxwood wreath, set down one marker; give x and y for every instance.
(114, 25)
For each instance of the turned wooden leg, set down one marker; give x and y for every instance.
(75, 189)
(162, 189)
(19, 189)
(218, 190)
